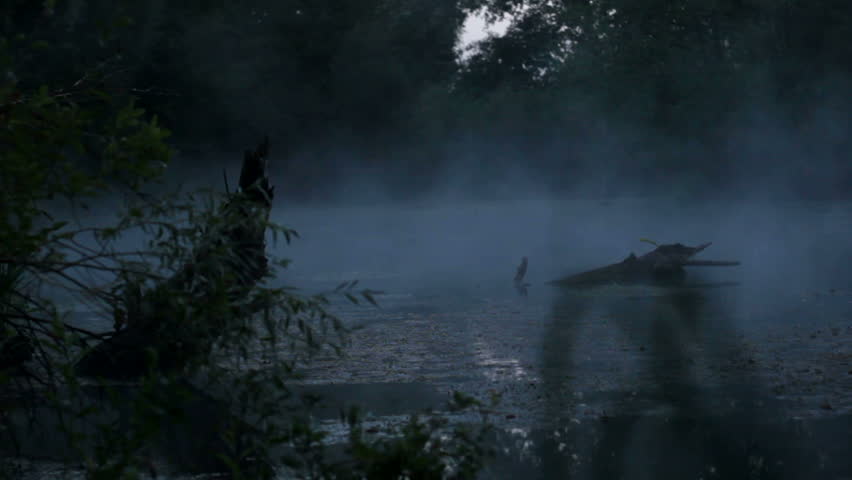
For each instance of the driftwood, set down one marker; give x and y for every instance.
(662, 265)
(155, 325)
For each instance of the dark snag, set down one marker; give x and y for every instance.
(253, 176)
(520, 286)
(161, 329)
(662, 265)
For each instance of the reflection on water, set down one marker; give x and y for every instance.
(672, 423)
(496, 367)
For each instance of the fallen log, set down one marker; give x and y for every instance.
(159, 331)
(662, 265)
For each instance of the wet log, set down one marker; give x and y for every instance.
(156, 333)
(662, 265)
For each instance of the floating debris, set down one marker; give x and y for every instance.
(662, 265)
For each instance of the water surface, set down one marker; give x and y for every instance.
(743, 372)
(731, 374)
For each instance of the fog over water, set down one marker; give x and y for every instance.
(786, 248)
(738, 353)
(758, 351)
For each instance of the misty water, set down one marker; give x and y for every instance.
(742, 372)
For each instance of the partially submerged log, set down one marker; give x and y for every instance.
(156, 330)
(662, 265)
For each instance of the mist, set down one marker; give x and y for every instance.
(468, 242)
(425, 160)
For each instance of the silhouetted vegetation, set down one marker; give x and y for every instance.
(167, 291)
(706, 92)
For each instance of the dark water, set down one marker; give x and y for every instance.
(744, 372)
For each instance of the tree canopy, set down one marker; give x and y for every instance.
(718, 89)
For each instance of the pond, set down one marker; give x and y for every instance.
(741, 372)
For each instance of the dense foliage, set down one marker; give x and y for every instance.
(725, 89)
(632, 91)
(94, 251)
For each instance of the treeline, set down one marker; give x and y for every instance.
(740, 93)
(699, 95)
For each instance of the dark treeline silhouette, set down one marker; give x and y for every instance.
(725, 95)
(723, 89)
